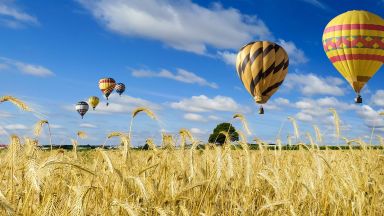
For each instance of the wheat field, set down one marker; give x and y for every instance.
(179, 180)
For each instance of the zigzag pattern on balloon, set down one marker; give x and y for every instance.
(371, 42)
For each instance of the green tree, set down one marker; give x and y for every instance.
(218, 138)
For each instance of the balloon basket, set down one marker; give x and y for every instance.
(358, 99)
(261, 111)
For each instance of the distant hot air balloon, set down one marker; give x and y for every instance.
(107, 85)
(354, 43)
(120, 88)
(82, 108)
(93, 101)
(262, 67)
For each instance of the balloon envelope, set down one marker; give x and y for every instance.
(120, 88)
(107, 86)
(262, 67)
(82, 108)
(93, 101)
(354, 43)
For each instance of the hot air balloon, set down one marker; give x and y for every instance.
(354, 43)
(106, 86)
(93, 101)
(120, 88)
(82, 108)
(262, 67)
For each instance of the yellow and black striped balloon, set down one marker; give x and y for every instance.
(262, 67)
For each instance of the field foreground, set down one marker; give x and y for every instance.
(216, 181)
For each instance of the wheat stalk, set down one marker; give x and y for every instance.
(336, 121)
(74, 147)
(295, 127)
(20, 104)
(243, 121)
(319, 137)
(184, 134)
(38, 127)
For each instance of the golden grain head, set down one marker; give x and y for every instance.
(186, 133)
(243, 120)
(82, 134)
(38, 126)
(147, 111)
(20, 104)
(114, 134)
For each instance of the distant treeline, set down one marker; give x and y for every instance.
(201, 146)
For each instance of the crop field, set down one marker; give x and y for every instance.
(184, 178)
(214, 181)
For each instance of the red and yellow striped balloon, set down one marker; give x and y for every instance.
(354, 43)
(107, 85)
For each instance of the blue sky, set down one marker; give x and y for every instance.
(176, 57)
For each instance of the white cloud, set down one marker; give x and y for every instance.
(203, 103)
(371, 117)
(88, 125)
(181, 75)
(378, 98)
(194, 117)
(317, 110)
(282, 101)
(183, 25)
(304, 117)
(25, 68)
(4, 114)
(277, 104)
(15, 127)
(56, 126)
(214, 118)
(121, 104)
(12, 16)
(35, 70)
(228, 57)
(296, 56)
(311, 84)
(198, 131)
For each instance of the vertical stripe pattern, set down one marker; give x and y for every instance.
(262, 67)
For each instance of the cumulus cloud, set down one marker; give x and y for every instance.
(311, 84)
(55, 126)
(371, 117)
(198, 131)
(304, 117)
(13, 17)
(119, 105)
(87, 125)
(181, 75)
(203, 103)
(25, 68)
(228, 57)
(15, 127)
(179, 24)
(378, 98)
(4, 114)
(296, 55)
(194, 117)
